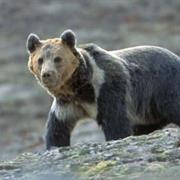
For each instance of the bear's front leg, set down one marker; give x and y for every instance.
(58, 132)
(61, 121)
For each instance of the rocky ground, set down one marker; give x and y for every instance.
(150, 157)
(111, 24)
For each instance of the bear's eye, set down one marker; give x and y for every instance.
(57, 60)
(40, 61)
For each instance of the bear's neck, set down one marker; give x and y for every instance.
(80, 84)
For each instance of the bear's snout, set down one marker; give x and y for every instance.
(48, 77)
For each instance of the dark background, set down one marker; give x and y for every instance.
(112, 24)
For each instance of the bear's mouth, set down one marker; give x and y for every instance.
(49, 83)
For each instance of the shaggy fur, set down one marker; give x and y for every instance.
(129, 91)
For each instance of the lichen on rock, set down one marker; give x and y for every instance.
(153, 156)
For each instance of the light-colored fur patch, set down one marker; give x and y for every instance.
(90, 109)
(67, 111)
(98, 76)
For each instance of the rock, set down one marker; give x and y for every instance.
(153, 156)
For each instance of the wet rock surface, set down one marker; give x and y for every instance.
(154, 156)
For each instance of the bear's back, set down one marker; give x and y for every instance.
(147, 54)
(151, 63)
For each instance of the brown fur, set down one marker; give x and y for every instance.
(68, 65)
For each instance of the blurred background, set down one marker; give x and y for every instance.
(112, 24)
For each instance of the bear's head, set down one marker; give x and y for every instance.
(53, 61)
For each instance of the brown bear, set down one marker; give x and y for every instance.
(129, 91)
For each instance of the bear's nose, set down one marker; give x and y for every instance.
(47, 75)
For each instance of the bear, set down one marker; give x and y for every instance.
(130, 91)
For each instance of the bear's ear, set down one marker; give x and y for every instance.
(32, 42)
(69, 38)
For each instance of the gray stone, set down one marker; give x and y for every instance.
(153, 156)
